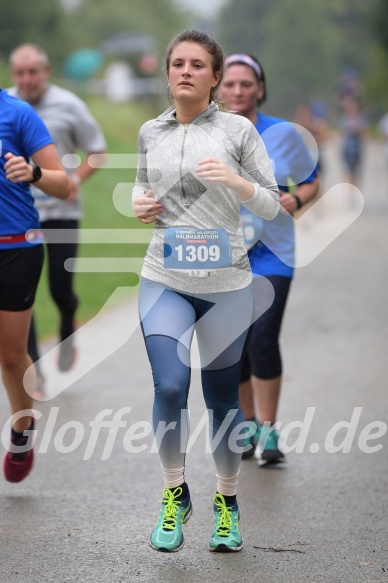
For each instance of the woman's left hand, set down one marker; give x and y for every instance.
(17, 169)
(217, 171)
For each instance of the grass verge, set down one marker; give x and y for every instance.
(120, 123)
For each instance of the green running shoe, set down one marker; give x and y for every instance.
(268, 445)
(250, 443)
(226, 535)
(167, 535)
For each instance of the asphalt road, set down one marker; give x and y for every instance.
(322, 517)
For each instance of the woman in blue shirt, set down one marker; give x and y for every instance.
(22, 136)
(271, 250)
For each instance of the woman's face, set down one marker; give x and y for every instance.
(190, 74)
(240, 89)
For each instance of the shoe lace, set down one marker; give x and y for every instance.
(224, 516)
(170, 507)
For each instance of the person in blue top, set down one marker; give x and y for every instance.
(23, 136)
(271, 247)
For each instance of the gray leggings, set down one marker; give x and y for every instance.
(221, 322)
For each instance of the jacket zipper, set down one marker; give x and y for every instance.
(184, 200)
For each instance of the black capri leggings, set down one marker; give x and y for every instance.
(263, 358)
(60, 281)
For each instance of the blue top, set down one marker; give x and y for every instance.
(274, 254)
(22, 133)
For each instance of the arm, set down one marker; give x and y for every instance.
(257, 189)
(87, 136)
(83, 172)
(53, 181)
(303, 193)
(144, 205)
(214, 170)
(302, 168)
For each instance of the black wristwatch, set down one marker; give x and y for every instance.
(299, 203)
(36, 174)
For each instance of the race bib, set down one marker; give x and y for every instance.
(251, 227)
(196, 250)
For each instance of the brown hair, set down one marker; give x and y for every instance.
(212, 47)
(254, 64)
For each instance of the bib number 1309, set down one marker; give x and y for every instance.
(200, 253)
(196, 249)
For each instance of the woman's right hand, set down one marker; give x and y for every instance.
(147, 208)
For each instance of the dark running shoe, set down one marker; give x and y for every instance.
(268, 446)
(18, 463)
(67, 355)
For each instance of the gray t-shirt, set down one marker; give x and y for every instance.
(196, 210)
(72, 127)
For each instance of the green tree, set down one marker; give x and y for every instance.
(99, 20)
(242, 25)
(303, 45)
(379, 23)
(377, 80)
(291, 39)
(301, 63)
(352, 20)
(42, 22)
(60, 32)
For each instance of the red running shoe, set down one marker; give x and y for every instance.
(18, 464)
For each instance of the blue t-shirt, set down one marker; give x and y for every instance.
(274, 254)
(22, 133)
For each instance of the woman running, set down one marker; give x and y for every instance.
(271, 250)
(196, 166)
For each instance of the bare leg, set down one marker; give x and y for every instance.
(266, 394)
(262, 396)
(14, 361)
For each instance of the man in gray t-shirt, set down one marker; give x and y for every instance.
(73, 129)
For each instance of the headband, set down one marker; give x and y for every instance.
(246, 60)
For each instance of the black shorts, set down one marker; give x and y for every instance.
(20, 271)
